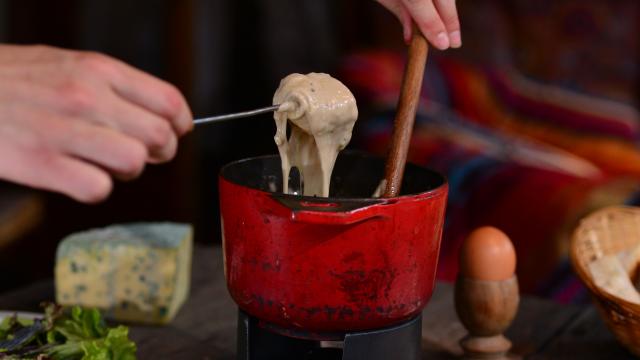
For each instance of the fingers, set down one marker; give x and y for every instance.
(154, 132)
(73, 119)
(436, 19)
(74, 178)
(89, 93)
(428, 20)
(92, 100)
(100, 107)
(398, 9)
(449, 16)
(163, 99)
(122, 156)
(143, 90)
(54, 172)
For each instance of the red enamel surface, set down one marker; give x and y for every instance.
(330, 271)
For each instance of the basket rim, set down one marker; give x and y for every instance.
(582, 273)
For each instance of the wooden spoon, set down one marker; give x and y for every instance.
(406, 113)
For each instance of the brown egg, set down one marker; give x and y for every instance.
(487, 254)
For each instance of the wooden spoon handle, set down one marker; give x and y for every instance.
(406, 113)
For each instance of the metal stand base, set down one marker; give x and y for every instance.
(401, 342)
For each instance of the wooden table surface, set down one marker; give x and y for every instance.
(205, 326)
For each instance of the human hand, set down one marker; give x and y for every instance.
(70, 120)
(437, 19)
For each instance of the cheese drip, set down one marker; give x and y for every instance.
(321, 112)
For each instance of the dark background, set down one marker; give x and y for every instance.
(228, 55)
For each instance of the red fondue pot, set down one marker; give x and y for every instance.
(325, 265)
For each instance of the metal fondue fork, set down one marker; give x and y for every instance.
(238, 115)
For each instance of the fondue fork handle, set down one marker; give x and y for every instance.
(406, 113)
(238, 115)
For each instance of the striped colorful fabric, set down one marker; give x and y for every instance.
(526, 157)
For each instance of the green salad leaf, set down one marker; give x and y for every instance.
(75, 334)
(81, 325)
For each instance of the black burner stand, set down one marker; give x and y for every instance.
(401, 342)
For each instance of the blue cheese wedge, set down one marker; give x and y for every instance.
(135, 272)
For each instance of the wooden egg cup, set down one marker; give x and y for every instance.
(486, 309)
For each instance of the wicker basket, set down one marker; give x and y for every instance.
(609, 231)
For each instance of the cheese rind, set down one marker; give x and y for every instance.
(135, 272)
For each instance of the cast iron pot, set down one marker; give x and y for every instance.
(330, 265)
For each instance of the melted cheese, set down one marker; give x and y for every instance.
(321, 112)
